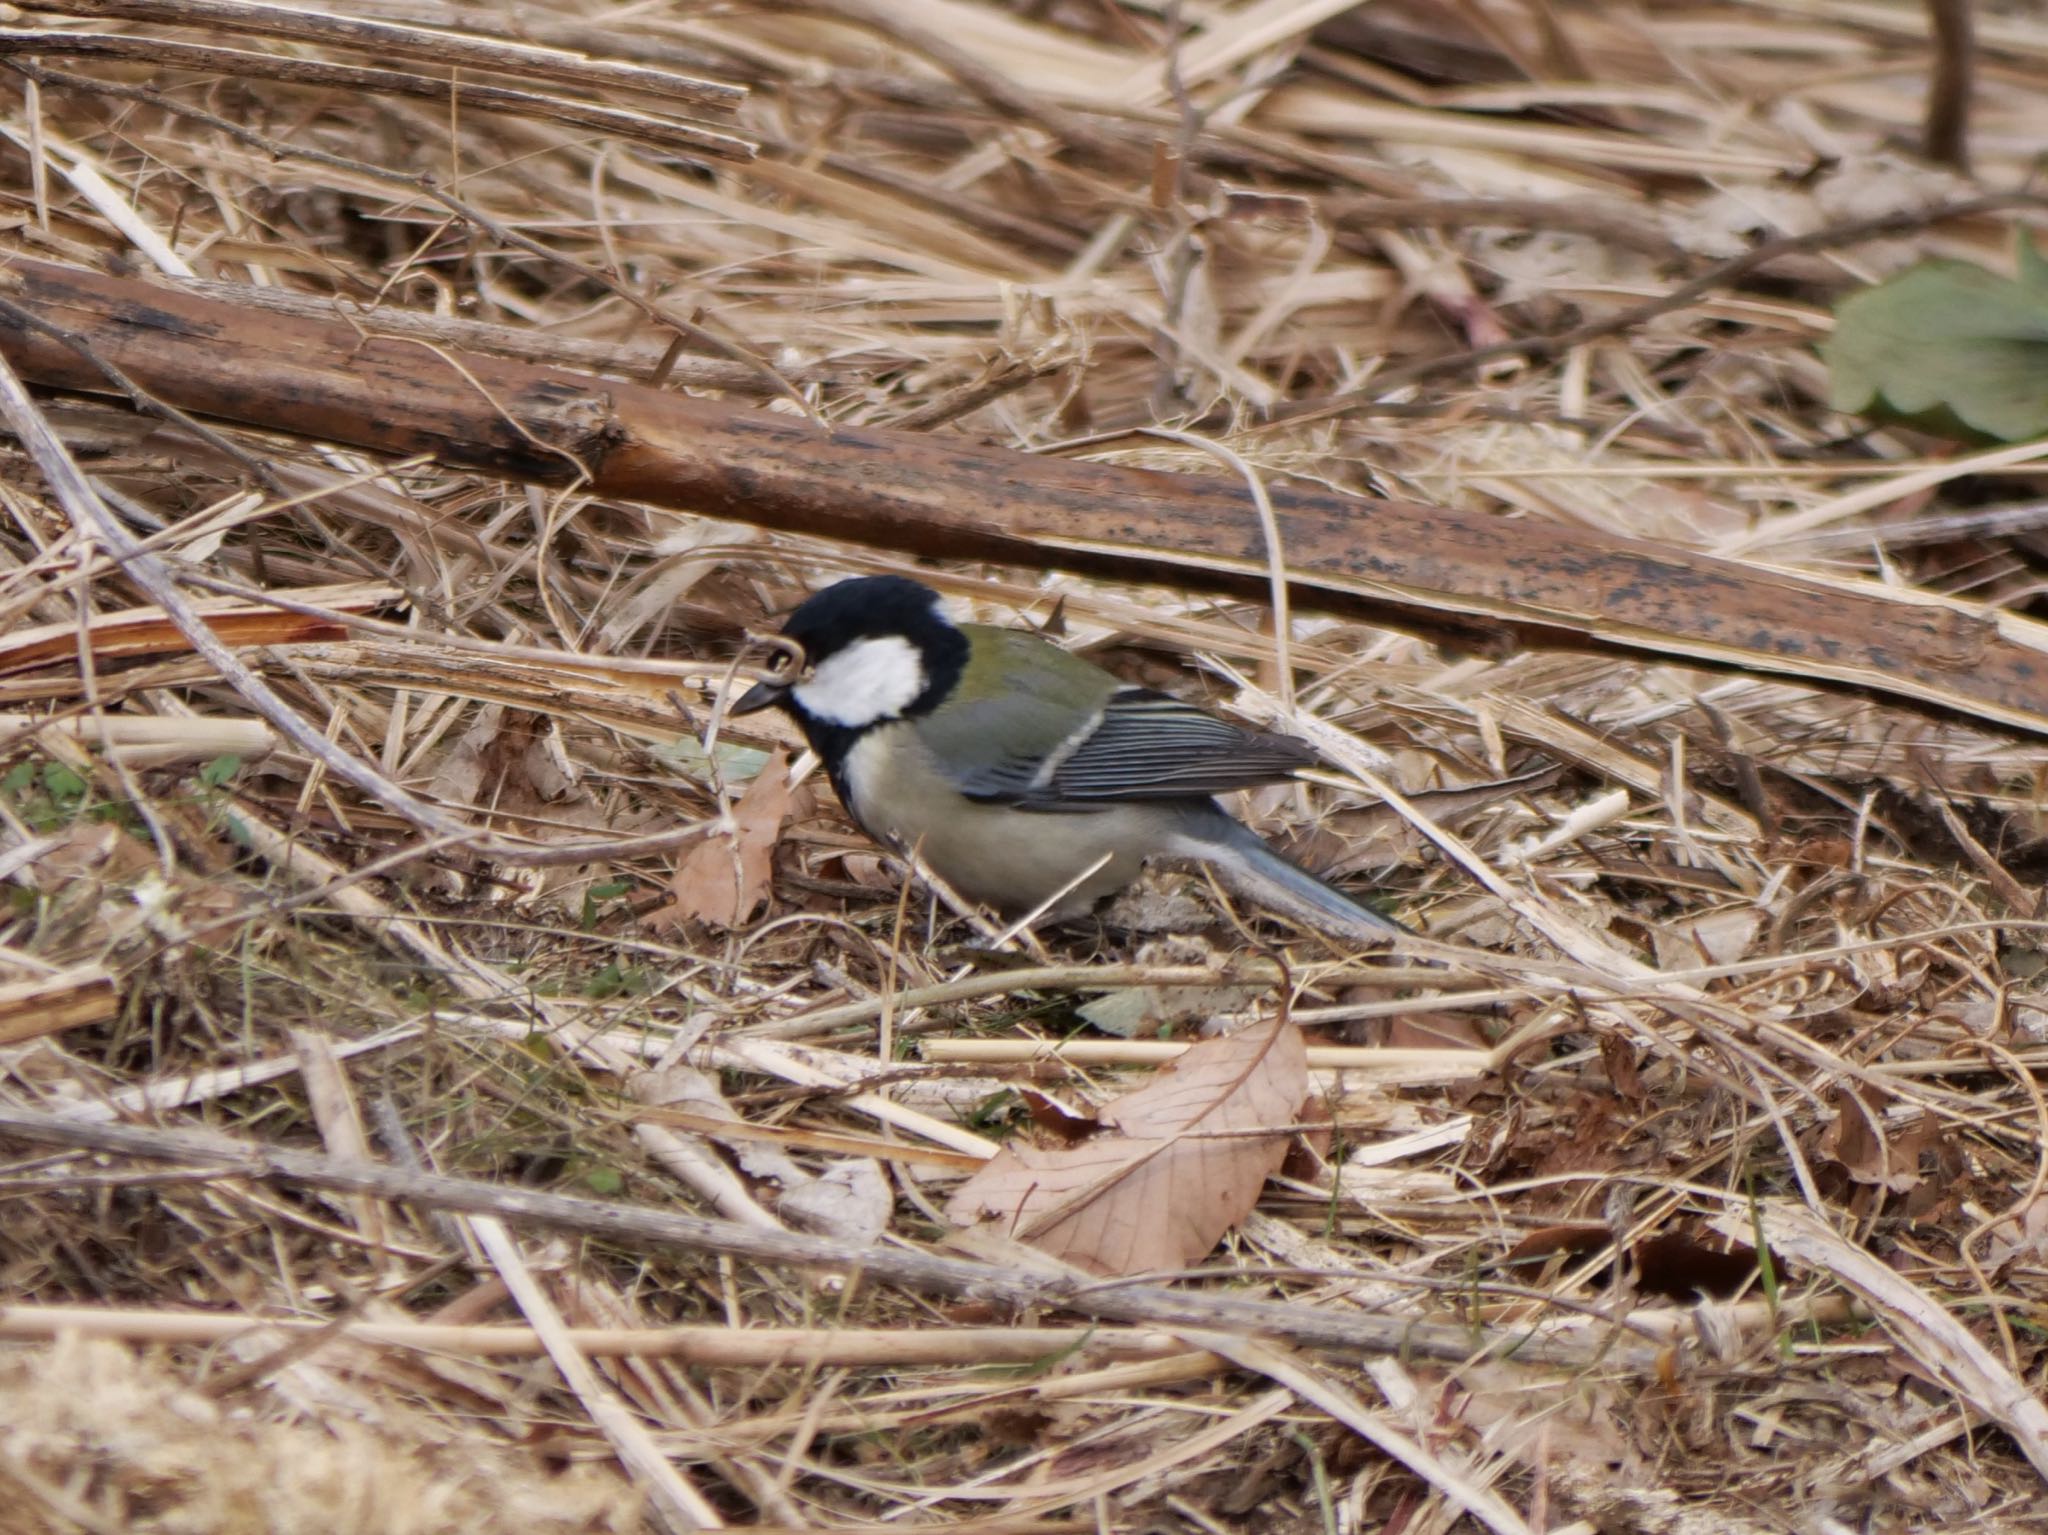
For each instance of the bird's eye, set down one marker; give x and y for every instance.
(785, 660)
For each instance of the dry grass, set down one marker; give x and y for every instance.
(1755, 958)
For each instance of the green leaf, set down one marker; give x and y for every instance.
(219, 771)
(616, 980)
(1132, 1011)
(736, 764)
(607, 1181)
(20, 778)
(1948, 346)
(2033, 265)
(61, 784)
(595, 896)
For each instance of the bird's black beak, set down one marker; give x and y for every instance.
(762, 695)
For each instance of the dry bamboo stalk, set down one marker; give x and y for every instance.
(1416, 566)
(670, 133)
(711, 1347)
(49, 1004)
(421, 44)
(150, 631)
(1385, 1064)
(1147, 1305)
(150, 740)
(677, 1504)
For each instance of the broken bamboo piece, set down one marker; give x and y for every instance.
(1432, 569)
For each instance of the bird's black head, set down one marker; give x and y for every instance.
(864, 651)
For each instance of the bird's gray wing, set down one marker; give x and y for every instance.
(1002, 747)
(1018, 709)
(1152, 746)
(991, 751)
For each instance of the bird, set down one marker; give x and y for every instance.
(1022, 775)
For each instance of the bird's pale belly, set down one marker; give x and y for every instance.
(1013, 860)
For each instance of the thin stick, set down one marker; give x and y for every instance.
(1148, 1305)
(722, 1347)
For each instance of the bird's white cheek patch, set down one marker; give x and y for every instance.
(869, 680)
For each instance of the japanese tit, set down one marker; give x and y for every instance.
(1022, 774)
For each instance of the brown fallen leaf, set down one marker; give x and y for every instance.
(1623, 1070)
(1857, 1140)
(1308, 1149)
(2022, 1234)
(1180, 1161)
(1569, 1242)
(1671, 1264)
(1433, 1031)
(729, 873)
(1712, 938)
(1060, 1122)
(1683, 1268)
(503, 760)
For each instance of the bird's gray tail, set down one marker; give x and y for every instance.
(1246, 867)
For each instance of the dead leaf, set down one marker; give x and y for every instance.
(1308, 1150)
(1858, 1141)
(1712, 938)
(1619, 1057)
(678, 1086)
(1671, 1264)
(1063, 1122)
(88, 850)
(1158, 901)
(1434, 1031)
(1181, 1160)
(1683, 1268)
(729, 874)
(869, 870)
(2023, 1234)
(1131, 1012)
(1548, 1244)
(1587, 1138)
(851, 1200)
(509, 759)
(210, 914)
